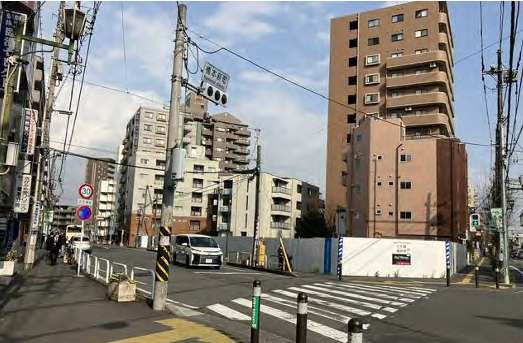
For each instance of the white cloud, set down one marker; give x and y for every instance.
(241, 21)
(324, 36)
(256, 76)
(392, 3)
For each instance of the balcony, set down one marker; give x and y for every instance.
(225, 209)
(241, 159)
(427, 120)
(187, 128)
(433, 98)
(187, 139)
(444, 23)
(282, 190)
(243, 132)
(224, 227)
(447, 46)
(415, 60)
(281, 208)
(242, 151)
(280, 225)
(437, 77)
(206, 132)
(243, 141)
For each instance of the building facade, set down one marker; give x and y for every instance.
(105, 210)
(394, 62)
(64, 215)
(403, 186)
(473, 198)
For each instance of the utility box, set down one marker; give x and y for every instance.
(11, 159)
(178, 164)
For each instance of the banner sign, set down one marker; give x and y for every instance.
(29, 133)
(8, 22)
(22, 193)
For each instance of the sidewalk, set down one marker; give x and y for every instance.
(49, 304)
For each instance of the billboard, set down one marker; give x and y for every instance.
(8, 22)
(22, 193)
(29, 131)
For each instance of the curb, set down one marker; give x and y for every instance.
(261, 269)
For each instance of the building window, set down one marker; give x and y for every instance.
(353, 43)
(372, 59)
(299, 188)
(421, 71)
(160, 142)
(396, 74)
(379, 157)
(406, 185)
(397, 18)
(374, 22)
(422, 13)
(144, 161)
(353, 25)
(160, 129)
(195, 225)
(396, 54)
(421, 51)
(373, 41)
(421, 91)
(147, 127)
(197, 197)
(395, 94)
(397, 37)
(378, 183)
(351, 99)
(349, 136)
(421, 33)
(391, 214)
(196, 211)
(298, 205)
(351, 118)
(198, 169)
(372, 98)
(406, 215)
(372, 79)
(149, 115)
(421, 112)
(147, 140)
(352, 80)
(353, 61)
(161, 117)
(391, 183)
(405, 157)
(197, 183)
(378, 211)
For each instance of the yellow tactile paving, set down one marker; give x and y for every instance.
(180, 330)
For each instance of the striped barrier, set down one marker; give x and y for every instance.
(163, 255)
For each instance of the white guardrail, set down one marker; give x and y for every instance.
(94, 266)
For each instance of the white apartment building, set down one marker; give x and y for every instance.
(283, 201)
(106, 208)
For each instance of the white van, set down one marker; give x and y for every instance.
(197, 250)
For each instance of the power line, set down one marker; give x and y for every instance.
(222, 48)
(124, 49)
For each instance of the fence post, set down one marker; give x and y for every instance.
(340, 258)
(255, 319)
(477, 276)
(355, 332)
(301, 321)
(447, 256)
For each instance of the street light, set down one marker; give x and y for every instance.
(74, 23)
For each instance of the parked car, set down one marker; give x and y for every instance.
(84, 243)
(197, 250)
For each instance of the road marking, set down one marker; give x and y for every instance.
(331, 305)
(228, 312)
(357, 296)
(228, 273)
(311, 325)
(468, 278)
(180, 304)
(399, 289)
(385, 291)
(516, 269)
(357, 289)
(361, 303)
(181, 330)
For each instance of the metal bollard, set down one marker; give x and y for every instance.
(497, 278)
(301, 321)
(477, 277)
(355, 332)
(448, 276)
(255, 320)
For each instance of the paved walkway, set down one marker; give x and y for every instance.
(49, 304)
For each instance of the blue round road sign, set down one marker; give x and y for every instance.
(83, 212)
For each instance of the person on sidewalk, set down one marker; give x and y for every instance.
(61, 243)
(55, 249)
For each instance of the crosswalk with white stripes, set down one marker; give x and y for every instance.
(328, 302)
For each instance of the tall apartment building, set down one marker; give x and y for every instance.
(403, 186)
(283, 201)
(97, 171)
(394, 62)
(473, 198)
(105, 209)
(64, 215)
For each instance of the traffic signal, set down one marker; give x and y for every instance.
(474, 220)
(214, 94)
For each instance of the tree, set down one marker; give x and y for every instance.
(313, 224)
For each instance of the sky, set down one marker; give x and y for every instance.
(290, 38)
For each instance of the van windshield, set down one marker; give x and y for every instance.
(203, 242)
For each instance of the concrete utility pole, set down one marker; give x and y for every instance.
(169, 186)
(48, 109)
(255, 237)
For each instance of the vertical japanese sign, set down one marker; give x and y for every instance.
(8, 22)
(327, 258)
(29, 133)
(22, 193)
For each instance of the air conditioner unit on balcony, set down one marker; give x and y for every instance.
(407, 109)
(433, 65)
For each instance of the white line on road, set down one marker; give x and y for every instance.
(516, 269)
(228, 312)
(311, 325)
(227, 273)
(398, 289)
(182, 304)
(373, 288)
(357, 296)
(356, 289)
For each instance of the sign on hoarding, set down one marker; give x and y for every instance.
(36, 216)
(8, 22)
(22, 193)
(214, 76)
(29, 134)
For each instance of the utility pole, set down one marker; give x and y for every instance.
(173, 137)
(48, 109)
(255, 237)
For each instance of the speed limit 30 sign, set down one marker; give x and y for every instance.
(85, 191)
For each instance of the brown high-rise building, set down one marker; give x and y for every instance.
(394, 62)
(97, 171)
